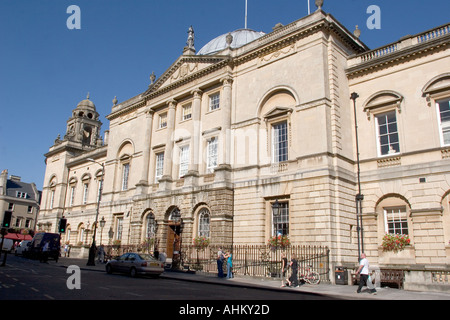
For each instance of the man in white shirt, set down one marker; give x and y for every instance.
(363, 270)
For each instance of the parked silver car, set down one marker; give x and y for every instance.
(134, 264)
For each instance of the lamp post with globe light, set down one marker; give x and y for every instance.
(91, 259)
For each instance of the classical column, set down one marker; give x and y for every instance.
(168, 153)
(194, 147)
(224, 152)
(146, 153)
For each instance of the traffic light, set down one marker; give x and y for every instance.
(62, 225)
(7, 219)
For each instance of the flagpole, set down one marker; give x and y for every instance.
(246, 6)
(309, 8)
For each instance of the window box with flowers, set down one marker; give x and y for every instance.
(279, 241)
(395, 242)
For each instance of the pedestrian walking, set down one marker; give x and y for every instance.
(101, 254)
(162, 257)
(293, 280)
(363, 270)
(284, 267)
(229, 258)
(44, 252)
(220, 258)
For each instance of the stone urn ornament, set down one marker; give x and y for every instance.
(319, 4)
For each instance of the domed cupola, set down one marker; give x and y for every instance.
(86, 108)
(235, 39)
(84, 125)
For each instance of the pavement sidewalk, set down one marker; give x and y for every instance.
(344, 292)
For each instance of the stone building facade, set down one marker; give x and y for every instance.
(254, 119)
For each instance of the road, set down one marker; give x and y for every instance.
(23, 279)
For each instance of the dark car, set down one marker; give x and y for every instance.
(37, 245)
(135, 263)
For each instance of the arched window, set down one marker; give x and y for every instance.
(150, 226)
(395, 213)
(204, 223)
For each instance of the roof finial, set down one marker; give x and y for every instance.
(152, 77)
(357, 32)
(319, 4)
(88, 95)
(189, 49)
(229, 39)
(191, 38)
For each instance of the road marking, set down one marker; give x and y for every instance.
(49, 297)
(134, 294)
(34, 289)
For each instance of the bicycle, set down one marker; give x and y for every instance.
(310, 276)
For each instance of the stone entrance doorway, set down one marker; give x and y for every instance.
(173, 240)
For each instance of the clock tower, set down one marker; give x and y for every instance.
(84, 125)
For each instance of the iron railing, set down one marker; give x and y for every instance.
(258, 260)
(248, 260)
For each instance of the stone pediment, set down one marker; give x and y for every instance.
(186, 67)
(277, 112)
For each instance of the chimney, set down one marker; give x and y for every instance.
(14, 178)
(3, 180)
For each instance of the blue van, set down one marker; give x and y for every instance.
(37, 244)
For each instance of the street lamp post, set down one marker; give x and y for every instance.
(276, 212)
(102, 225)
(176, 217)
(91, 259)
(359, 197)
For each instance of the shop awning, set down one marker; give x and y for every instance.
(18, 236)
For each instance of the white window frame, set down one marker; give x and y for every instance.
(184, 160)
(214, 101)
(276, 144)
(159, 166)
(85, 192)
(388, 134)
(119, 228)
(393, 216)
(125, 175)
(162, 120)
(212, 148)
(52, 199)
(443, 125)
(281, 219)
(72, 195)
(204, 223)
(187, 112)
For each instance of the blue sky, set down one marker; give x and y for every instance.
(46, 69)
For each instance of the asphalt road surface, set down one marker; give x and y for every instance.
(24, 279)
